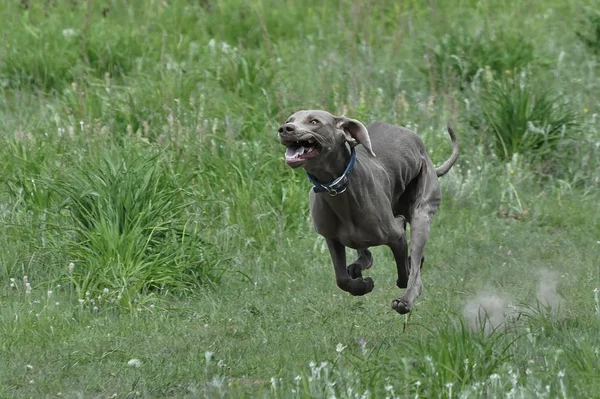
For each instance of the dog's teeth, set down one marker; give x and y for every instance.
(310, 141)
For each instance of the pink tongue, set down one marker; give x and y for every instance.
(293, 152)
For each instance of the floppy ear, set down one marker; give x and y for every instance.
(355, 132)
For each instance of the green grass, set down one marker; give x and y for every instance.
(527, 121)
(146, 212)
(590, 32)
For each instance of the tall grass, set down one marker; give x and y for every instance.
(130, 227)
(460, 55)
(589, 34)
(526, 120)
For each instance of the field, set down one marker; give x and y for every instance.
(153, 243)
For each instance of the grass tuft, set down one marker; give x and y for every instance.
(461, 55)
(131, 232)
(451, 356)
(525, 120)
(589, 35)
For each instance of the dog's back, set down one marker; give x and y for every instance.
(402, 154)
(398, 149)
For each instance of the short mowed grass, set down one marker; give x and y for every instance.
(153, 243)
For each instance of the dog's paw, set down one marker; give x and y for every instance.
(362, 286)
(354, 270)
(369, 284)
(401, 305)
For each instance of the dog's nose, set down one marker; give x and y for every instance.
(287, 128)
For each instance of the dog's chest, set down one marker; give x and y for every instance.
(360, 236)
(354, 229)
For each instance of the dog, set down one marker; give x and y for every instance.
(363, 196)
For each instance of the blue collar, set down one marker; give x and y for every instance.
(337, 186)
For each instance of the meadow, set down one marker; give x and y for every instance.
(153, 243)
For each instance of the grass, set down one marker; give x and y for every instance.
(143, 234)
(523, 121)
(462, 56)
(154, 244)
(590, 33)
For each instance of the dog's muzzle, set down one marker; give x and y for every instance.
(301, 146)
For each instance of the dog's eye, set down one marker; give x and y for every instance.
(314, 122)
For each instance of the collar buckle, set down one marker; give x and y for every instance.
(333, 192)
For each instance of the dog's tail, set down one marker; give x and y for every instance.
(442, 170)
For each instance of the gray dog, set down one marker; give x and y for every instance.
(360, 200)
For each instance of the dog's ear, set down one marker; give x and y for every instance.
(354, 131)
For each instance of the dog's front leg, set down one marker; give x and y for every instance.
(400, 250)
(363, 262)
(358, 286)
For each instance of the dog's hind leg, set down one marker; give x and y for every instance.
(399, 249)
(422, 261)
(364, 261)
(419, 227)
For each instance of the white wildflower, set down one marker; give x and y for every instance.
(134, 363)
(69, 32)
(363, 346)
(340, 348)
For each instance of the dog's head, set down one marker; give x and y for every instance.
(310, 135)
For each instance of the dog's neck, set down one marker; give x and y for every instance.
(331, 166)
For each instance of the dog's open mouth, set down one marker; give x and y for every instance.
(299, 151)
